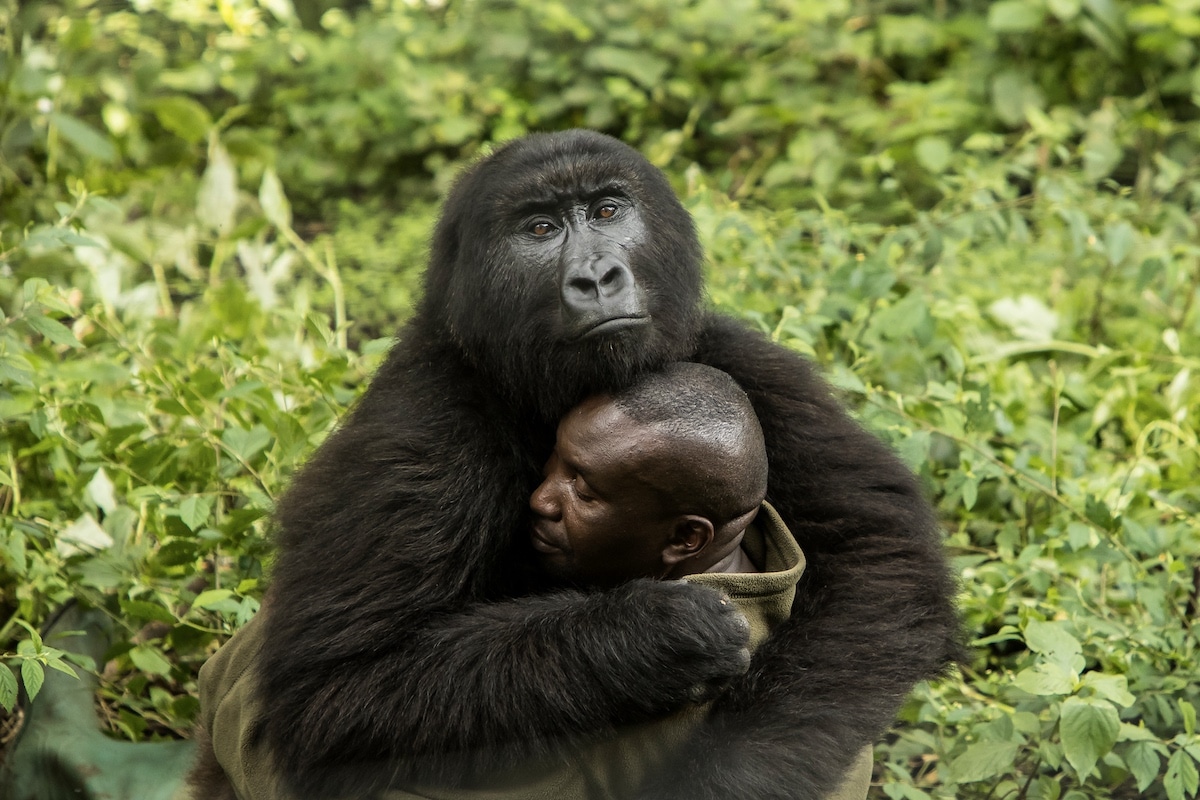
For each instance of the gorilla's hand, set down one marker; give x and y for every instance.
(711, 630)
(582, 661)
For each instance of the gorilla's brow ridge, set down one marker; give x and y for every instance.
(544, 196)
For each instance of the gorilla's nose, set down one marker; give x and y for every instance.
(601, 282)
(600, 295)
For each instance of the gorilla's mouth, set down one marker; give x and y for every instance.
(615, 324)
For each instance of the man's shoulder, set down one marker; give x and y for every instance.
(764, 597)
(228, 671)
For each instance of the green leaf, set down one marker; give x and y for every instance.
(16, 370)
(931, 252)
(1119, 239)
(86, 139)
(82, 535)
(34, 642)
(970, 492)
(1028, 317)
(1188, 712)
(246, 444)
(1181, 780)
(140, 609)
(914, 448)
(1065, 10)
(211, 597)
(183, 117)
(1098, 512)
(933, 153)
(1143, 761)
(1045, 679)
(642, 67)
(1101, 151)
(1050, 638)
(983, 761)
(100, 490)
(149, 659)
(33, 676)
(1080, 536)
(53, 330)
(62, 666)
(1088, 729)
(904, 791)
(1110, 687)
(1015, 16)
(1012, 92)
(1136, 733)
(904, 318)
(274, 202)
(194, 511)
(216, 201)
(8, 688)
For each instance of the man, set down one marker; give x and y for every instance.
(660, 481)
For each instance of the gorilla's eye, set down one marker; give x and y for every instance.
(541, 227)
(606, 211)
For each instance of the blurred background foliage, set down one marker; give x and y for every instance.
(980, 218)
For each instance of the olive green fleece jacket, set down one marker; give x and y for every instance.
(608, 769)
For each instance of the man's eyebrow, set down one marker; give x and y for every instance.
(582, 470)
(571, 463)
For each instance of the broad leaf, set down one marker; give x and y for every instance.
(1088, 729)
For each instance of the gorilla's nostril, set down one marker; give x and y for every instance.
(584, 286)
(612, 276)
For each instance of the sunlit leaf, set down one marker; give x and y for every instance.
(1045, 679)
(148, 659)
(211, 598)
(246, 443)
(1015, 16)
(217, 199)
(194, 511)
(274, 202)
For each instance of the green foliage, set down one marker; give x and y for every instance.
(979, 218)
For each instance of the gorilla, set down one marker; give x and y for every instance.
(408, 627)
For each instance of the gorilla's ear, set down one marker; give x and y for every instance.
(690, 534)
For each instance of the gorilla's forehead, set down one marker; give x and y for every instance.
(557, 169)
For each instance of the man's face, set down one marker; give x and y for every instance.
(600, 516)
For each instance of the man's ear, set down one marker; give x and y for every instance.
(690, 534)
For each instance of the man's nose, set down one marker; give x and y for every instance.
(542, 500)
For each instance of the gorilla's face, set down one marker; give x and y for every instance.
(564, 264)
(587, 247)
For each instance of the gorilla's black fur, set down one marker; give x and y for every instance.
(406, 628)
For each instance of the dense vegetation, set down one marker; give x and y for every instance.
(980, 219)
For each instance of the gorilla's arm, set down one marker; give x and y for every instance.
(493, 686)
(873, 613)
(388, 650)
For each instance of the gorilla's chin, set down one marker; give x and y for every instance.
(549, 380)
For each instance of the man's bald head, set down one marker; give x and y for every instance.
(711, 438)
